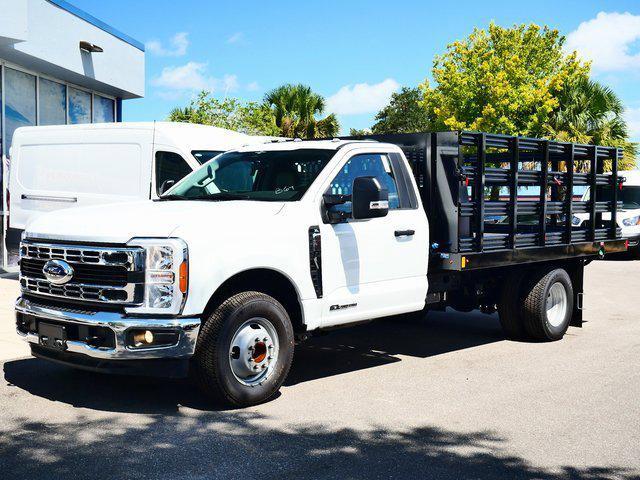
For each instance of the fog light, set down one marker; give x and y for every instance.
(143, 337)
(139, 338)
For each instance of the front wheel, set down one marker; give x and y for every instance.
(548, 305)
(244, 350)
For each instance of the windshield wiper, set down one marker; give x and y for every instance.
(225, 196)
(173, 196)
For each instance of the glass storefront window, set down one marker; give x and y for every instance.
(20, 102)
(79, 106)
(103, 109)
(53, 103)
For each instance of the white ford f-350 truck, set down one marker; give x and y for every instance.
(265, 245)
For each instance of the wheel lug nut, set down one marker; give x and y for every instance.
(257, 339)
(250, 348)
(264, 366)
(265, 339)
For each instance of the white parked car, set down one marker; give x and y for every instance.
(56, 167)
(628, 218)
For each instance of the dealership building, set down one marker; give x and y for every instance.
(60, 65)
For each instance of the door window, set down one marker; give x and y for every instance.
(365, 165)
(170, 166)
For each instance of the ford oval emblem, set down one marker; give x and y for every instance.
(57, 272)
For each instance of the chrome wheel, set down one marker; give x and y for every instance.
(557, 304)
(253, 354)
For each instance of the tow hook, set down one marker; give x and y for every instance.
(601, 251)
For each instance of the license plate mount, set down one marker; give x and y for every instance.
(52, 336)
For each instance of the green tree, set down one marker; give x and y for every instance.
(359, 132)
(251, 118)
(502, 80)
(518, 81)
(589, 112)
(404, 114)
(295, 108)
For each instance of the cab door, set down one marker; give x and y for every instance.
(374, 267)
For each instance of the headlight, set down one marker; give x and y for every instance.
(576, 221)
(166, 275)
(631, 222)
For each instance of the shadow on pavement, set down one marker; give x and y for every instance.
(160, 441)
(341, 351)
(238, 445)
(381, 342)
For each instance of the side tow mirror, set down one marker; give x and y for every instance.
(166, 185)
(369, 198)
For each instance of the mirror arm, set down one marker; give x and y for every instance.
(337, 216)
(331, 200)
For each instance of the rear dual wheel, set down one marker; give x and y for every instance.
(538, 307)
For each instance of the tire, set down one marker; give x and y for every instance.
(510, 308)
(548, 289)
(233, 375)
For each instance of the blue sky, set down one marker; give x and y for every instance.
(355, 53)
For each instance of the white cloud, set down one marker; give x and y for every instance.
(236, 38)
(178, 46)
(253, 86)
(362, 97)
(632, 116)
(191, 77)
(607, 40)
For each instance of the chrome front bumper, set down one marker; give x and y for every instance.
(187, 329)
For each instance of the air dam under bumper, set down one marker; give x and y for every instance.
(116, 357)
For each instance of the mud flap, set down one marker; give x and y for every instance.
(577, 279)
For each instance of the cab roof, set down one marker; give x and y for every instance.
(297, 144)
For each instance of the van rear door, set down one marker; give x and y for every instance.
(46, 177)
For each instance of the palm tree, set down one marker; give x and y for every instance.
(592, 113)
(179, 114)
(295, 108)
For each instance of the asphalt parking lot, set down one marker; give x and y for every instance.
(447, 398)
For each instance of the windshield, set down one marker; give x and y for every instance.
(203, 156)
(630, 196)
(266, 175)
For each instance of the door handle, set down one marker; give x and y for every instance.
(404, 233)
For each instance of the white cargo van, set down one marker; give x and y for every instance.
(56, 167)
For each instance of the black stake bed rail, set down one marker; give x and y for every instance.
(497, 199)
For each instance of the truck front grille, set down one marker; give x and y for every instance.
(113, 275)
(84, 273)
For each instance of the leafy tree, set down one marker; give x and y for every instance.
(502, 80)
(251, 118)
(589, 112)
(359, 132)
(404, 114)
(295, 108)
(518, 81)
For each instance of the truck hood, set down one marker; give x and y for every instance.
(119, 223)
